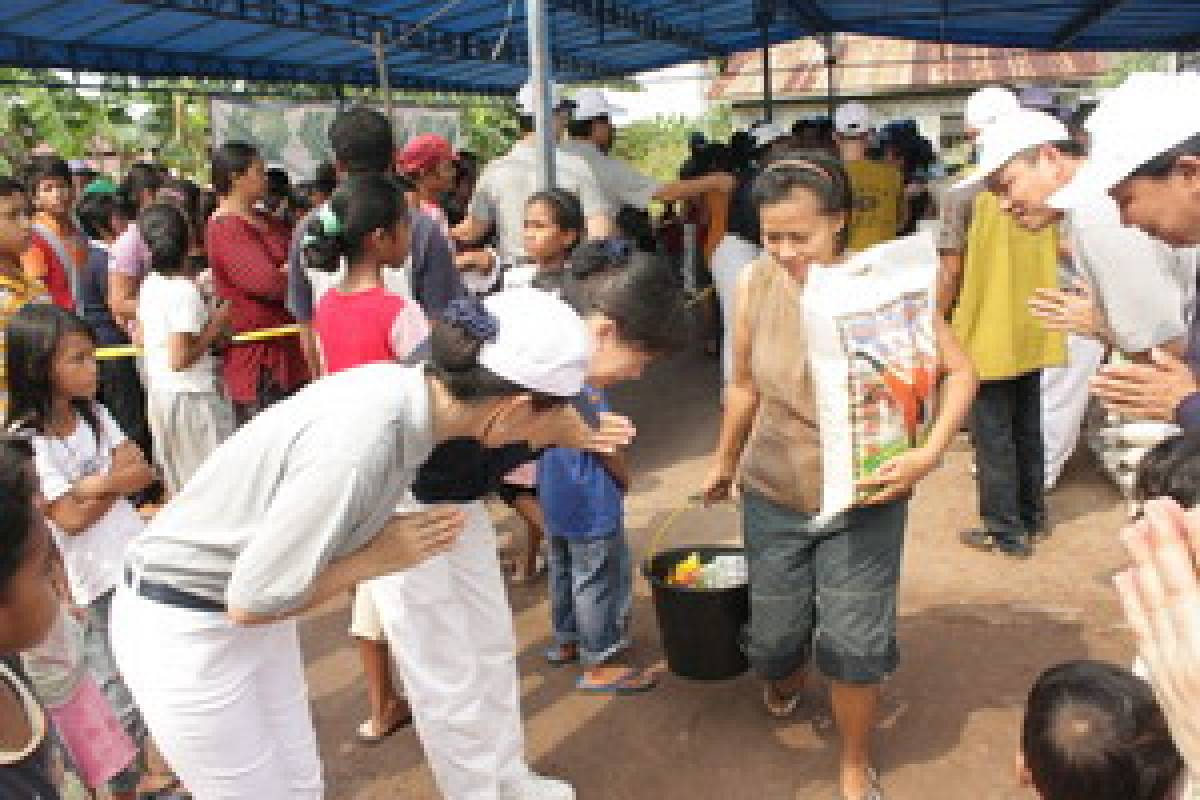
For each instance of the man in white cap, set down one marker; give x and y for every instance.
(1123, 290)
(880, 205)
(1145, 139)
(590, 134)
(991, 267)
(507, 183)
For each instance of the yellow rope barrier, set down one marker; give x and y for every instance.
(129, 350)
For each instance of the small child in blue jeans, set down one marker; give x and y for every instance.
(635, 310)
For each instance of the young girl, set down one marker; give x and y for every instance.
(554, 226)
(189, 413)
(360, 322)
(28, 609)
(86, 467)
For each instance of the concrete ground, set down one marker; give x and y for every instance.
(975, 630)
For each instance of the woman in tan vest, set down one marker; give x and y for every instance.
(820, 593)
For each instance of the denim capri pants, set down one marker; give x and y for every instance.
(823, 593)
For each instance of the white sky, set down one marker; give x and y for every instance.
(671, 91)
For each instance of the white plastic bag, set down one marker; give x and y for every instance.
(873, 354)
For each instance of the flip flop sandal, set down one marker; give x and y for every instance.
(632, 681)
(874, 791)
(365, 736)
(781, 707)
(555, 656)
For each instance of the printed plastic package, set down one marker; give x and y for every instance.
(873, 354)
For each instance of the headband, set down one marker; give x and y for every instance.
(801, 164)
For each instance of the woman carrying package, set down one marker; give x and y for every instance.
(822, 589)
(296, 508)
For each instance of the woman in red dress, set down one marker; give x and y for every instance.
(247, 251)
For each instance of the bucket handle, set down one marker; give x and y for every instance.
(661, 532)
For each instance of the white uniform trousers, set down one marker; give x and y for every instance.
(728, 260)
(226, 704)
(1065, 396)
(450, 629)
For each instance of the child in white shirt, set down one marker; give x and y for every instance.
(189, 413)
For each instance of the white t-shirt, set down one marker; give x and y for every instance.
(169, 305)
(95, 557)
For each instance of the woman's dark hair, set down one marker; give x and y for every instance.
(706, 159)
(95, 212)
(1161, 165)
(1093, 730)
(142, 177)
(363, 204)
(638, 291)
(1171, 469)
(455, 341)
(45, 167)
(813, 171)
(18, 485)
(33, 337)
(167, 235)
(564, 208)
(231, 161)
(10, 186)
(362, 142)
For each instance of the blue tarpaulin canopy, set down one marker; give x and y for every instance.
(480, 45)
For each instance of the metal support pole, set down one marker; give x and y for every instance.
(830, 63)
(768, 104)
(381, 66)
(540, 77)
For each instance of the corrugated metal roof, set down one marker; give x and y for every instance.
(870, 65)
(479, 45)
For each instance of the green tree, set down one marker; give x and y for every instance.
(1130, 63)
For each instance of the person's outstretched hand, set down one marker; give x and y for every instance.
(1160, 594)
(419, 536)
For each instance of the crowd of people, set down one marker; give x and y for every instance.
(227, 406)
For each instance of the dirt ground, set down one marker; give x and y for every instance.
(975, 630)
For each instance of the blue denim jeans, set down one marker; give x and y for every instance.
(591, 592)
(825, 594)
(1006, 429)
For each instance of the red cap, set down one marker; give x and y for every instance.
(423, 152)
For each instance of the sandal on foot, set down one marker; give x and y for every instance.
(556, 656)
(631, 681)
(367, 735)
(779, 706)
(874, 790)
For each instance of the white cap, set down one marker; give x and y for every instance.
(1148, 115)
(764, 133)
(540, 342)
(1011, 135)
(852, 119)
(591, 104)
(527, 103)
(987, 105)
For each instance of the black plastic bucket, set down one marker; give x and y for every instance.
(701, 629)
